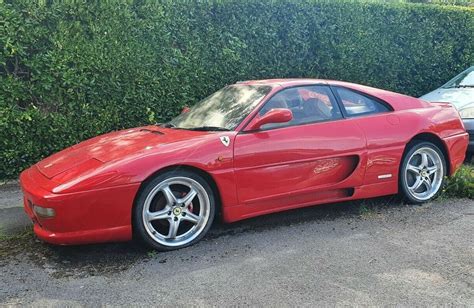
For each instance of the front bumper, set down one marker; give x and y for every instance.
(91, 216)
(469, 125)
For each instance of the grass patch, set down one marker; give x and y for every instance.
(14, 243)
(24, 234)
(373, 207)
(152, 254)
(461, 185)
(367, 211)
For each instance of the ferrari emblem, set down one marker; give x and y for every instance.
(225, 140)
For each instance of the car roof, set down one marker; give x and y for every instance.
(293, 82)
(283, 82)
(397, 100)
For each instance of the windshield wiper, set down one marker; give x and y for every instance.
(460, 86)
(209, 128)
(167, 125)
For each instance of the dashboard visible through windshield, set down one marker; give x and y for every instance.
(223, 110)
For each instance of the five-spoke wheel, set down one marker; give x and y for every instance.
(174, 210)
(422, 172)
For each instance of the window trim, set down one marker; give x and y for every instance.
(374, 98)
(243, 131)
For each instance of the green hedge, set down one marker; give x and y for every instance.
(70, 70)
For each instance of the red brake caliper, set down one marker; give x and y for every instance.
(190, 207)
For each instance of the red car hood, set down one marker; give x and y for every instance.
(94, 152)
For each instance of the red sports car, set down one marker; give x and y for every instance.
(251, 148)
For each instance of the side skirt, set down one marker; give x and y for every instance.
(240, 212)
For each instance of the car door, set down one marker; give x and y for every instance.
(386, 137)
(316, 156)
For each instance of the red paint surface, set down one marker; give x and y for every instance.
(92, 185)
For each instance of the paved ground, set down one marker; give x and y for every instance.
(12, 219)
(10, 196)
(379, 252)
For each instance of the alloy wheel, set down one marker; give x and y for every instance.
(176, 211)
(424, 173)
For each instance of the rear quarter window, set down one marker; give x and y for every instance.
(356, 104)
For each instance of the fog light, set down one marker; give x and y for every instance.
(44, 212)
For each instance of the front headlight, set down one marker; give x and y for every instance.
(467, 113)
(44, 212)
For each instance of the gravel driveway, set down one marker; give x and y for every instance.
(378, 252)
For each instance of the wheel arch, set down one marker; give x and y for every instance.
(436, 140)
(204, 174)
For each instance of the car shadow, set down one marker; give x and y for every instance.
(107, 259)
(324, 212)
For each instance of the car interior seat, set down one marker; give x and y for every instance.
(315, 109)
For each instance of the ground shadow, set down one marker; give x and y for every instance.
(104, 259)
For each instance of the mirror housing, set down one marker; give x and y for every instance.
(276, 115)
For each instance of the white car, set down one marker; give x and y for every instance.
(459, 91)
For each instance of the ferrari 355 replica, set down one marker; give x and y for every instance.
(251, 148)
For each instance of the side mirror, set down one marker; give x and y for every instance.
(276, 115)
(185, 109)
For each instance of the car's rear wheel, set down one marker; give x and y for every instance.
(422, 172)
(174, 210)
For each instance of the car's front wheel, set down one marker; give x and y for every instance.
(422, 172)
(174, 210)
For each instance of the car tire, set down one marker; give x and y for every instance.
(468, 158)
(422, 172)
(174, 210)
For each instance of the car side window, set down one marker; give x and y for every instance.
(309, 104)
(356, 104)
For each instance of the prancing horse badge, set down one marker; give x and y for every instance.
(225, 140)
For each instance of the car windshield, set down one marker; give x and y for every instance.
(463, 80)
(223, 110)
